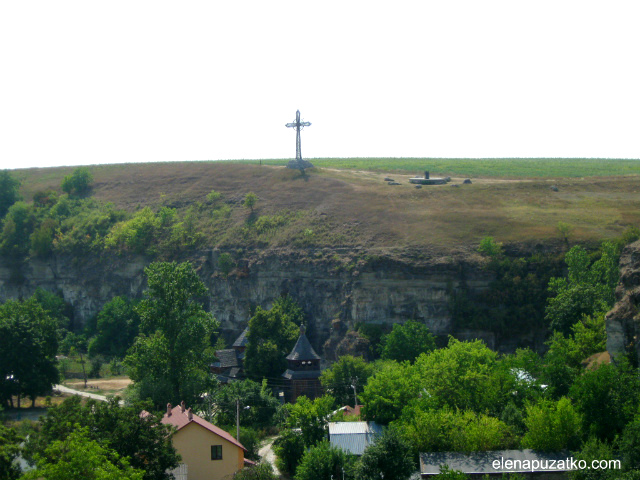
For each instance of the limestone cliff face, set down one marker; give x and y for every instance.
(623, 321)
(352, 288)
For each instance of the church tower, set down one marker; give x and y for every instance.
(303, 372)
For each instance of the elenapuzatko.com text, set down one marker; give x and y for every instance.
(570, 463)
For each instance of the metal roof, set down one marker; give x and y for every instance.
(483, 462)
(353, 437)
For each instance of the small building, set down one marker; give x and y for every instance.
(302, 376)
(229, 366)
(207, 451)
(353, 437)
(528, 463)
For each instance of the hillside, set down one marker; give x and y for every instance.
(355, 207)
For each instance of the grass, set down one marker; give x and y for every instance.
(347, 204)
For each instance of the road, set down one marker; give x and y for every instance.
(266, 453)
(71, 391)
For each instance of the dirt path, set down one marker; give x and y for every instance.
(71, 391)
(267, 454)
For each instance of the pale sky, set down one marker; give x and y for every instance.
(86, 82)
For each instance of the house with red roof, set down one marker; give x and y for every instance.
(208, 452)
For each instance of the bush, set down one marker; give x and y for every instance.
(78, 182)
(226, 263)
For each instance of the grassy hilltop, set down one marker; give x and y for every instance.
(345, 202)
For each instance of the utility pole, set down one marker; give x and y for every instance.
(238, 419)
(355, 394)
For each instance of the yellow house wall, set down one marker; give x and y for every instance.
(193, 442)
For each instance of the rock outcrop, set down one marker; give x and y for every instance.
(623, 321)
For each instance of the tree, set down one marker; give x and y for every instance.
(564, 229)
(389, 458)
(16, 230)
(78, 182)
(170, 361)
(226, 263)
(321, 462)
(311, 417)
(489, 247)
(261, 471)
(250, 200)
(407, 341)
(78, 457)
(552, 426)
(9, 195)
(289, 448)
(272, 334)
(342, 375)
(28, 345)
(117, 326)
(144, 440)
(9, 451)
(588, 288)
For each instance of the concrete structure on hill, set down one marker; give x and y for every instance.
(353, 437)
(528, 463)
(207, 451)
(303, 373)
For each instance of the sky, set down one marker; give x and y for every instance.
(88, 82)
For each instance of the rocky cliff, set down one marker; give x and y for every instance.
(350, 285)
(623, 321)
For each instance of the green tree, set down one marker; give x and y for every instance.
(594, 449)
(170, 361)
(9, 191)
(226, 263)
(389, 458)
(78, 457)
(289, 448)
(339, 379)
(28, 345)
(489, 247)
(117, 326)
(261, 471)
(321, 462)
(9, 451)
(310, 417)
(407, 341)
(77, 183)
(16, 230)
(250, 200)
(272, 334)
(588, 288)
(144, 440)
(552, 426)
(42, 238)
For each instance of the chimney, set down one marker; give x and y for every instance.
(168, 409)
(182, 407)
(189, 414)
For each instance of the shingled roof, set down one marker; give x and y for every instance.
(303, 349)
(242, 340)
(228, 358)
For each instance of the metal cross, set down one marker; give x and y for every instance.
(297, 125)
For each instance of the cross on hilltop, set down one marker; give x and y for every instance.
(298, 162)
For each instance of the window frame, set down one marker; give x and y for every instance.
(216, 452)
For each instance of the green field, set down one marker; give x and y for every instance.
(484, 167)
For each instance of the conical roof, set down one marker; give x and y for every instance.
(303, 349)
(242, 340)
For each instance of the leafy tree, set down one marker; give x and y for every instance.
(339, 378)
(587, 290)
(552, 426)
(615, 386)
(321, 462)
(9, 195)
(78, 182)
(630, 444)
(16, 230)
(272, 334)
(54, 306)
(289, 448)
(226, 263)
(250, 200)
(142, 439)
(117, 326)
(261, 405)
(489, 247)
(594, 449)
(78, 457)
(9, 451)
(261, 471)
(389, 458)
(464, 375)
(447, 474)
(564, 229)
(310, 417)
(28, 345)
(42, 238)
(407, 341)
(74, 343)
(170, 360)
(389, 390)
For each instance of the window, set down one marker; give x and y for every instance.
(216, 452)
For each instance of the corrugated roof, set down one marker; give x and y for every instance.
(180, 419)
(242, 340)
(483, 462)
(303, 349)
(353, 437)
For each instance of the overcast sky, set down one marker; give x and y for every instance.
(87, 82)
